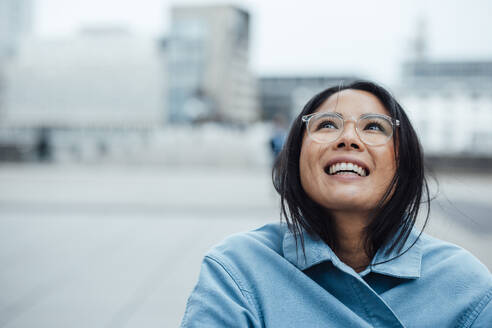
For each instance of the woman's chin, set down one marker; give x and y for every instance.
(349, 203)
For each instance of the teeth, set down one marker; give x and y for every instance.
(335, 168)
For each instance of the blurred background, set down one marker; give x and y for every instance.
(136, 135)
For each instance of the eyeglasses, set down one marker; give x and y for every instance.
(372, 129)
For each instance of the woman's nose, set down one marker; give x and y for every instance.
(349, 138)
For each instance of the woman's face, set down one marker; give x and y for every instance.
(345, 191)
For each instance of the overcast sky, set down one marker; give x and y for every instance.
(358, 37)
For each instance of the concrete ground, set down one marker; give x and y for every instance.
(116, 246)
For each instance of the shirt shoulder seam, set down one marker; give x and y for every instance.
(234, 276)
(469, 318)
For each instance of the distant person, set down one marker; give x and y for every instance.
(43, 146)
(278, 136)
(351, 181)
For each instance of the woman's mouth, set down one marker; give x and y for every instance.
(346, 168)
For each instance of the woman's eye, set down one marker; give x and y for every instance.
(327, 125)
(374, 126)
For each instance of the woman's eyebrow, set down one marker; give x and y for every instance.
(331, 111)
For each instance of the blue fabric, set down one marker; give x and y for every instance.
(262, 279)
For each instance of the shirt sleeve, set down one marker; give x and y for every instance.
(484, 319)
(218, 300)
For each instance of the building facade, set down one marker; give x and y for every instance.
(286, 95)
(100, 77)
(450, 103)
(87, 95)
(15, 25)
(208, 65)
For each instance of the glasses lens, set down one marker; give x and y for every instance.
(325, 127)
(375, 130)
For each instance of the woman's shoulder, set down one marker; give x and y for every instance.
(450, 270)
(226, 292)
(251, 245)
(442, 256)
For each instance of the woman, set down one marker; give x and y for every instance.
(351, 182)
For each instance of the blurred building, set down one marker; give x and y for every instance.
(450, 103)
(87, 93)
(286, 95)
(208, 63)
(101, 77)
(15, 25)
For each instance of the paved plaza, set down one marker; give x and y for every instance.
(120, 246)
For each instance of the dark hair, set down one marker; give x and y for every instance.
(396, 213)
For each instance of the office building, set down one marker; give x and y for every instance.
(450, 103)
(99, 77)
(286, 95)
(208, 65)
(90, 93)
(15, 25)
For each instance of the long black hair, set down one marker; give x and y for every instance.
(396, 213)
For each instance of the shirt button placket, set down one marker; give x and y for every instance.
(378, 312)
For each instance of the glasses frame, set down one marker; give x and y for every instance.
(394, 124)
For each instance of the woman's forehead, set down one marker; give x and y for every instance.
(353, 103)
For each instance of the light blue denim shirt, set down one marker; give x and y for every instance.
(262, 279)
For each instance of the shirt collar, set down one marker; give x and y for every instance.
(406, 265)
(316, 251)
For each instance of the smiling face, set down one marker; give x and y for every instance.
(321, 164)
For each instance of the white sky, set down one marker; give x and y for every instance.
(360, 37)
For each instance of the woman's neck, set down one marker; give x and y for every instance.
(350, 233)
